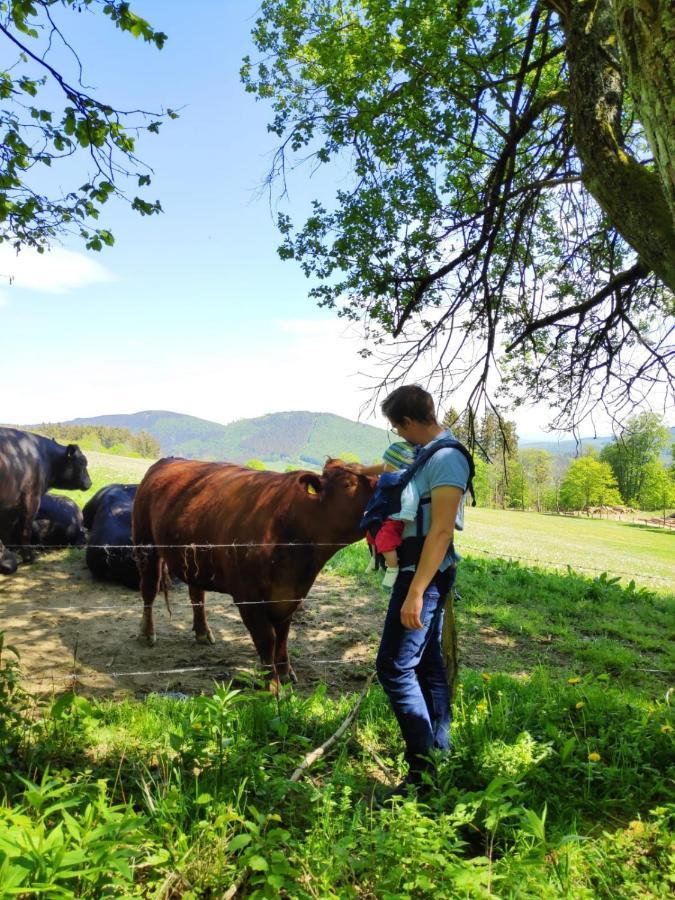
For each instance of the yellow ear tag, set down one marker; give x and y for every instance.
(311, 489)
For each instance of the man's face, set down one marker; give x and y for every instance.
(408, 429)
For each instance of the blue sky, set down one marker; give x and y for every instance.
(192, 310)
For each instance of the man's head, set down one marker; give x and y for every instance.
(411, 412)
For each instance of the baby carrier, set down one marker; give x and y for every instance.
(386, 501)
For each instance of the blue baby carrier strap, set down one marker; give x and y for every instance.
(391, 484)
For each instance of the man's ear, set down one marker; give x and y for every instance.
(311, 484)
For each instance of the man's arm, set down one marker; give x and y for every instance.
(376, 469)
(445, 502)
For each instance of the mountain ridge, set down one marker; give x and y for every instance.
(297, 438)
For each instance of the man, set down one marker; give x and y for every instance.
(410, 663)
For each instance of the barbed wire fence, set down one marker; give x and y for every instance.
(256, 670)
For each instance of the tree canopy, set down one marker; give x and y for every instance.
(589, 482)
(47, 116)
(509, 218)
(634, 454)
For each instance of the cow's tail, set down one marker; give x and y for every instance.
(165, 584)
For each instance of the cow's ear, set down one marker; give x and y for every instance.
(311, 484)
(71, 449)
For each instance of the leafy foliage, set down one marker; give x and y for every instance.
(638, 445)
(39, 131)
(589, 482)
(119, 441)
(503, 212)
(556, 784)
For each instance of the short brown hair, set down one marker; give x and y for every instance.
(409, 401)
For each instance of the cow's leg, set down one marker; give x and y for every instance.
(28, 510)
(282, 662)
(264, 637)
(203, 634)
(150, 570)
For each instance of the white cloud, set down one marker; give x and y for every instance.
(55, 271)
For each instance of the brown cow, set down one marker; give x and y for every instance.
(185, 502)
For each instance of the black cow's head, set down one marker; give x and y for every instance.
(8, 562)
(72, 474)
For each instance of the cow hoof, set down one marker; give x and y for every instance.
(288, 677)
(148, 639)
(207, 638)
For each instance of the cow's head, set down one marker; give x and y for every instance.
(72, 473)
(338, 497)
(8, 562)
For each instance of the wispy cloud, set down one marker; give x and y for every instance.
(55, 271)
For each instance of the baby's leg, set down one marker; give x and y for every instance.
(391, 559)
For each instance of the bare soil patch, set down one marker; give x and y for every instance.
(65, 624)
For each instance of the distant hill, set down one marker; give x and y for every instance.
(569, 447)
(565, 447)
(298, 439)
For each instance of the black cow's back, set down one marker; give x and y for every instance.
(110, 554)
(58, 522)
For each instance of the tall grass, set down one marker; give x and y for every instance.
(559, 783)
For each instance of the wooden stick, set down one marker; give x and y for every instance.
(234, 888)
(319, 751)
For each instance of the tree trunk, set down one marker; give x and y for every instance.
(646, 32)
(629, 193)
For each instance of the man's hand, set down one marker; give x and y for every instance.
(360, 469)
(412, 610)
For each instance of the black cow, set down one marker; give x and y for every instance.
(58, 522)
(8, 561)
(29, 465)
(107, 516)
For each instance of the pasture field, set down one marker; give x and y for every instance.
(106, 468)
(177, 784)
(589, 545)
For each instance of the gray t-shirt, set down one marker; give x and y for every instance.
(446, 468)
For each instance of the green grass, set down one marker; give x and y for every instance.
(559, 784)
(552, 790)
(619, 548)
(105, 468)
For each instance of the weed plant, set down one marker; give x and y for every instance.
(559, 783)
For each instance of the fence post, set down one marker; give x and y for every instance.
(449, 642)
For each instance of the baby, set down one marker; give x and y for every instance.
(396, 457)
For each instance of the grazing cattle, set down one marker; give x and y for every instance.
(284, 528)
(107, 516)
(8, 562)
(58, 522)
(29, 465)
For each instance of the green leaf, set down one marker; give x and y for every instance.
(239, 841)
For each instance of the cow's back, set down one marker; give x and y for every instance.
(210, 502)
(227, 528)
(21, 464)
(110, 554)
(58, 522)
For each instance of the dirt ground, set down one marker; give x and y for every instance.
(64, 623)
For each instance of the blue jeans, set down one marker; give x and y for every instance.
(412, 672)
